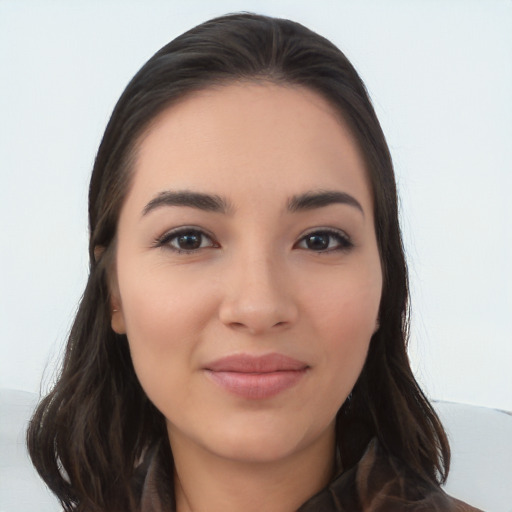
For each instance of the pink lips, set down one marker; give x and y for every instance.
(256, 377)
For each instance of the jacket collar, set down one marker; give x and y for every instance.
(378, 483)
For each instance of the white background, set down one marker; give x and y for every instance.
(440, 75)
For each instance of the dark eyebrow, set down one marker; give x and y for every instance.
(312, 200)
(199, 200)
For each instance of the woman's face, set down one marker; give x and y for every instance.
(247, 272)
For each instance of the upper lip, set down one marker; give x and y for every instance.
(245, 363)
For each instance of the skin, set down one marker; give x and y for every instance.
(255, 285)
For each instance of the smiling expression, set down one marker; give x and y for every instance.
(247, 274)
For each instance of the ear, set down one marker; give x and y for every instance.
(377, 325)
(117, 316)
(98, 251)
(116, 308)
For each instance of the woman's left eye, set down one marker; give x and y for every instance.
(325, 241)
(186, 240)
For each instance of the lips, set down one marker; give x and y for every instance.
(256, 377)
(245, 363)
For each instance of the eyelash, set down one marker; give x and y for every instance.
(344, 242)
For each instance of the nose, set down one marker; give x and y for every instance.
(258, 298)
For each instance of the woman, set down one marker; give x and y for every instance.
(241, 343)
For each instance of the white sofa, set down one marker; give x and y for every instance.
(481, 442)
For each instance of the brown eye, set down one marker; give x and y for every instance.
(325, 241)
(317, 241)
(186, 240)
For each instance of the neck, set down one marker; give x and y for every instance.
(204, 481)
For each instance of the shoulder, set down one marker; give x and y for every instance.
(382, 478)
(382, 483)
(460, 506)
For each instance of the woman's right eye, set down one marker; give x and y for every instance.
(186, 240)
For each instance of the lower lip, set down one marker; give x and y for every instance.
(257, 386)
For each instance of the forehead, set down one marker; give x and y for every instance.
(262, 136)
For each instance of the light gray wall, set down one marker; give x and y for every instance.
(440, 75)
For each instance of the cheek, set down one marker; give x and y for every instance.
(347, 305)
(346, 316)
(161, 304)
(164, 315)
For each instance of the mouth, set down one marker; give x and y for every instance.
(256, 377)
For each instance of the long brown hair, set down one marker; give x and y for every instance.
(87, 436)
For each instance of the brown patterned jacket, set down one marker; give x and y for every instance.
(378, 483)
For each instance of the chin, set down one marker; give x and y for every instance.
(256, 448)
(266, 441)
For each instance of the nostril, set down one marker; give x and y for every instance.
(257, 313)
